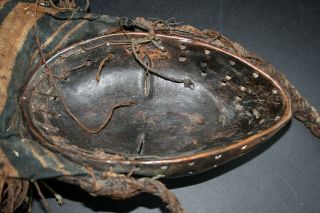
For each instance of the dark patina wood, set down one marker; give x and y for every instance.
(102, 108)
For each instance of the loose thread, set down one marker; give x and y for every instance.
(101, 65)
(57, 196)
(43, 200)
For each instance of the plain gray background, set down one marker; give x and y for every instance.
(283, 175)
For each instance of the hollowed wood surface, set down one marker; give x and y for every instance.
(156, 125)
